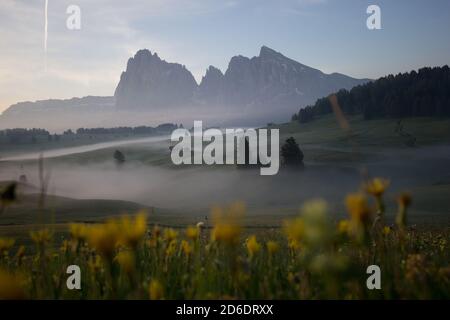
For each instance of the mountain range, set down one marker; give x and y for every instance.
(267, 87)
(269, 80)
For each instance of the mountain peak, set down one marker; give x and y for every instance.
(149, 80)
(213, 70)
(143, 53)
(268, 52)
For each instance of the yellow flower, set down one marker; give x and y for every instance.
(6, 244)
(386, 230)
(41, 237)
(104, 238)
(11, 286)
(403, 200)
(78, 231)
(20, 253)
(358, 208)
(272, 247)
(171, 248)
(192, 233)
(186, 247)
(152, 243)
(227, 228)
(156, 290)
(343, 226)
(156, 232)
(253, 246)
(170, 234)
(376, 186)
(133, 230)
(126, 260)
(294, 244)
(294, 229)
(317, 227)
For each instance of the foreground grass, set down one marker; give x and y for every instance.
(311, 257)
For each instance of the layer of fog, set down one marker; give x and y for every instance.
(197, 188)
(80, 149)
(59, 121)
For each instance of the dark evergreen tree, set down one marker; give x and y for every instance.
(119, 157)
(291, 153)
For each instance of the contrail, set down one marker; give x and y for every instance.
(46, 26)
(46, 32)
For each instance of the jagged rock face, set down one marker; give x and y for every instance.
(150, 83)
(211, 88)
(267, 82)
(272, 80)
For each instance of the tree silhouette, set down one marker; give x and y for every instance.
(291, 153)
(119, 157)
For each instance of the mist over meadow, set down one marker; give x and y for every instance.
(196, 188)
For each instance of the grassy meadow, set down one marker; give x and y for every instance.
(284, 247)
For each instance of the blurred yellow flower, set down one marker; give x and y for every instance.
(20, 253)
(295, 228)
(272, 247)
(170, 234)
(227, 227)
(171, 248)
(41, 237)
(6, 244)
(294, 244)
(78, 231)
(358, 208)
(403, 200)
(104, 238)
(152, 243)
(343, 226)
(253, 246)
(192, 232)
(126, 260)
(156, 290)
(376, 186)
(386, 230)
(186, 247)
(316, 224)
(133, 230)
(156, 232)
(11, 286)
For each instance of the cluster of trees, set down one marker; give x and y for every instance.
(19, 135)
(166, 127)
(414, 94)
(118, 130)
(26, 136)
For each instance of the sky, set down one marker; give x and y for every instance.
(330, 35)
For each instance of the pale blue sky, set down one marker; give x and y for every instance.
(330, 35)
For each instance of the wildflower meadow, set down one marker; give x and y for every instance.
(311, 256)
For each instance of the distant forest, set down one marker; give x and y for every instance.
(415, 94)
(26, 136)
